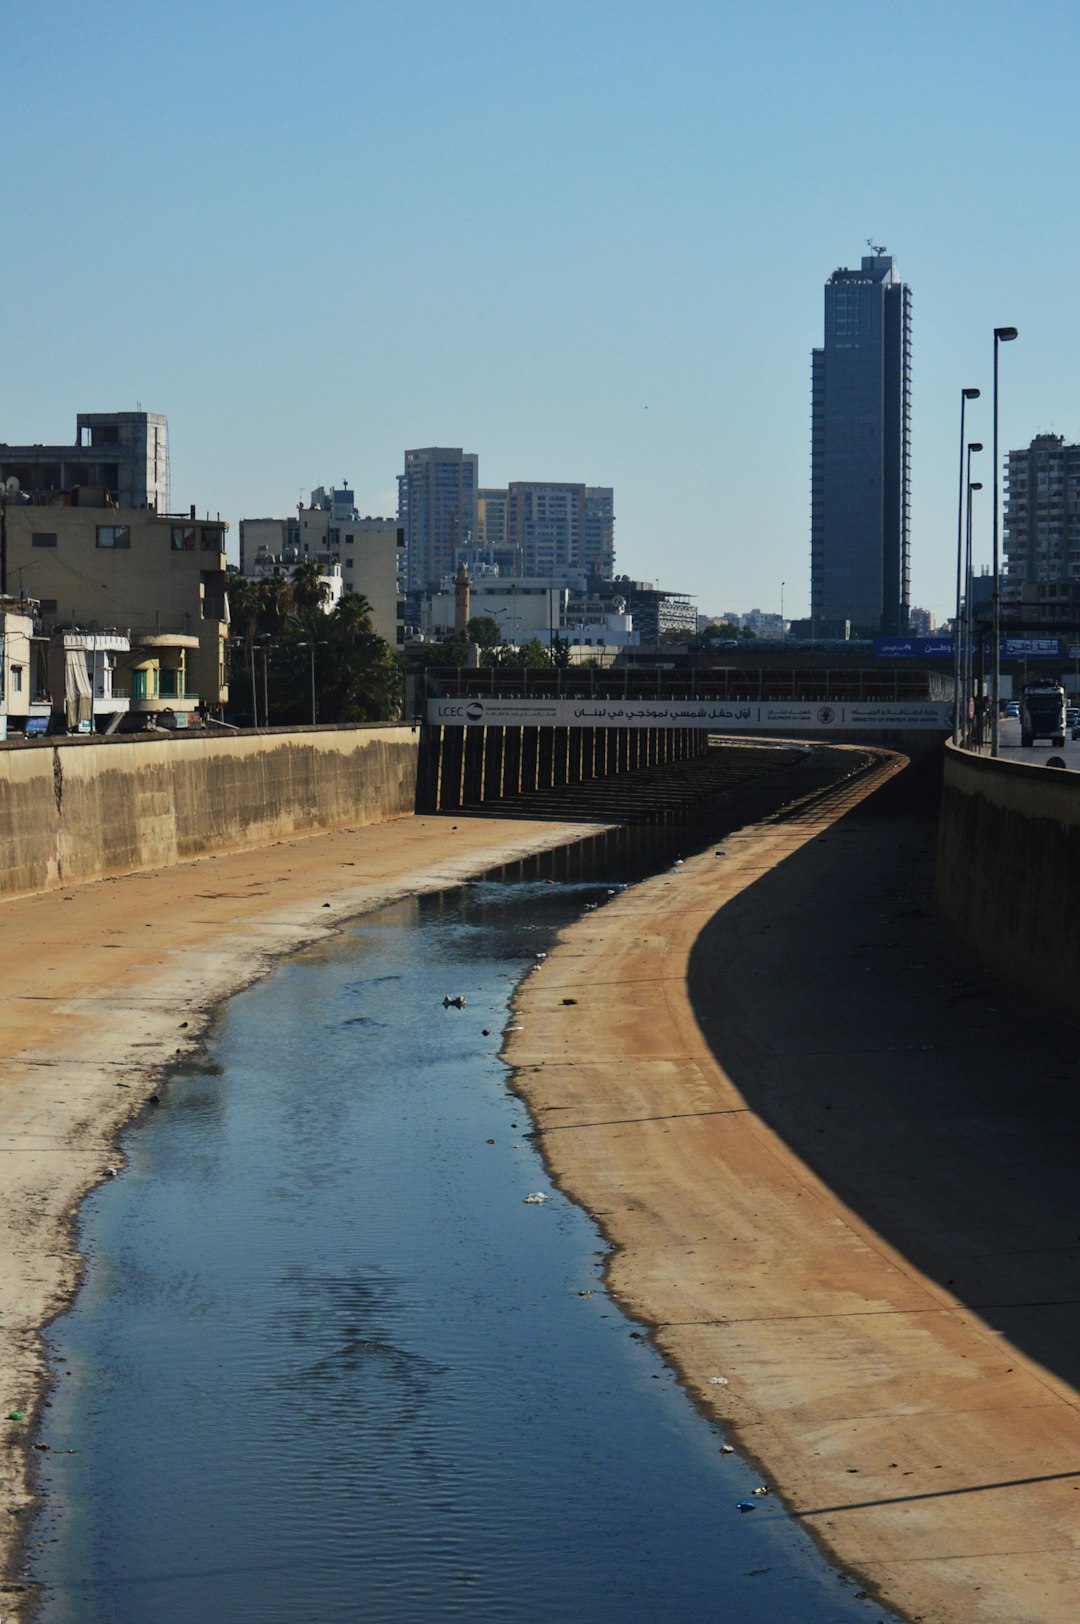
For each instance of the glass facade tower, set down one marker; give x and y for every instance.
(861, 455)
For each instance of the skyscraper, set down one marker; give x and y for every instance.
(437, 509)
(861, 454)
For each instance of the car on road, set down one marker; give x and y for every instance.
(1012, 708)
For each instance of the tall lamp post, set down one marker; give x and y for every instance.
(969, 607)
(265, 639)
(311, 647)
(254, 694)
(965, 396)
(783, 639)
(1002, 335)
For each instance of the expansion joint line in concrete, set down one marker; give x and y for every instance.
(622, 1122)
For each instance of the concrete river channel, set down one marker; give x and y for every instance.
(329, 1365)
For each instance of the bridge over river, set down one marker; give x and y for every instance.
(505, 731)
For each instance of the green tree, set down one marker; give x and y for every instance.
(357, 674)
(310, 588)
(275, 603)
(452, 651)
(533, 654)
(243, 595)
(484, 631)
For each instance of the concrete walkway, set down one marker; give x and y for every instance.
(839, 1162)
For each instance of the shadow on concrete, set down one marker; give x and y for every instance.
(940, 1105)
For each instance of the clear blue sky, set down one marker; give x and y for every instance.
(584, 239)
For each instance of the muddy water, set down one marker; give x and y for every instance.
(328, 1364)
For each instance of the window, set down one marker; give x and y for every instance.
(114, 535)
(349, 541)
(183, 538)
(43, 538)
(212, 537)
(16, 679)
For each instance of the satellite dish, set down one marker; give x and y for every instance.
(11, 485)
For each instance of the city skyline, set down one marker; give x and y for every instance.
(607, 268)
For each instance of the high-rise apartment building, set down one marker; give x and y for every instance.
(1041, 537)
(561, 529)
(861, 453)
(599, 531)
(437, 511)
(491, 517)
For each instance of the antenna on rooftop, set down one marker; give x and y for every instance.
(877, 248)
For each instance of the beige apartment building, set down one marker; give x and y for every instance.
(357, 554)
(130, 570)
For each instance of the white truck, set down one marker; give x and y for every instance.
(1042, 713)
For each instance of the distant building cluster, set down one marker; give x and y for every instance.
(538, 556)
(530, 528)
(115, 612)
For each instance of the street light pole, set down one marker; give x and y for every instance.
(965, 396)
(266, 686)
(1002, 335)
(311, 647)
(969, 607)
(783, 639)
(314, 711)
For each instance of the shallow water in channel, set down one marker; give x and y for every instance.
(327, 1364)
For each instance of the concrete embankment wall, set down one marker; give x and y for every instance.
(82, 809)
(472, 766)
(1008, 871)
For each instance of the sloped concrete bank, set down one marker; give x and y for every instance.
(802, 1115)
(87, 809)
(1008, 871)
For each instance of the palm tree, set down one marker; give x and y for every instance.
(310, 587)
(275, 602)
(244, 599)
(353, 612)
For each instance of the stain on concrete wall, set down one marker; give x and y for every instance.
(1008, 872)
(84, 809)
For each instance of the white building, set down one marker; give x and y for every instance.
(17, 665)
(544, 607)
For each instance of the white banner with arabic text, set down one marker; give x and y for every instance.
(718, 716)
